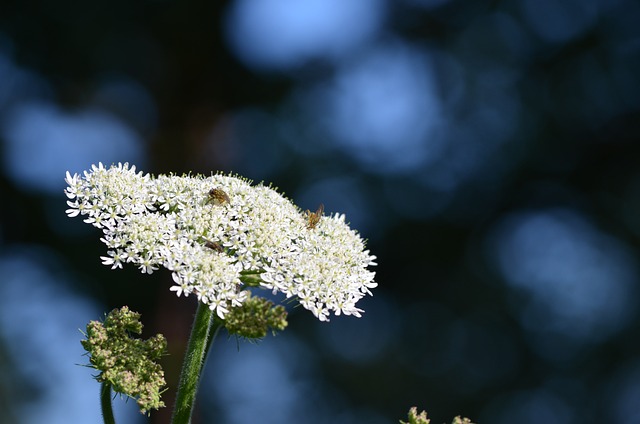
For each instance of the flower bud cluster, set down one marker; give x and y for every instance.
(128, 364)
(255, 317)
(220, 234)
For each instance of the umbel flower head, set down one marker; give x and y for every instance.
(219, 235)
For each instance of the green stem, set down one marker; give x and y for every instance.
(202, 334)
(105, 403)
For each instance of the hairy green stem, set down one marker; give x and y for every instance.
(202, 333)
(105, 403)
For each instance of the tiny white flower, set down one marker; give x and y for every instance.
(115, 259)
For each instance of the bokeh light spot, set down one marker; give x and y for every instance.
(383, 109)
(279, 34)
(42, 142)
(269, 381)
(578, 280)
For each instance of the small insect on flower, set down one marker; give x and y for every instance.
(218, 196)
(214, 246)
(314, 217)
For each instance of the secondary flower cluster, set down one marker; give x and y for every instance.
(220, 234)
(128, 364)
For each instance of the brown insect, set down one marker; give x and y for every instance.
(314, 217)
(218, 196)
(214, 246)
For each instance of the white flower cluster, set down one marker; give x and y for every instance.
(219, 234)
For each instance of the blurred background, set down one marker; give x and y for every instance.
(487, 150)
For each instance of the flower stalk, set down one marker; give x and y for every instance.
(203, 332)
(105, 403)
